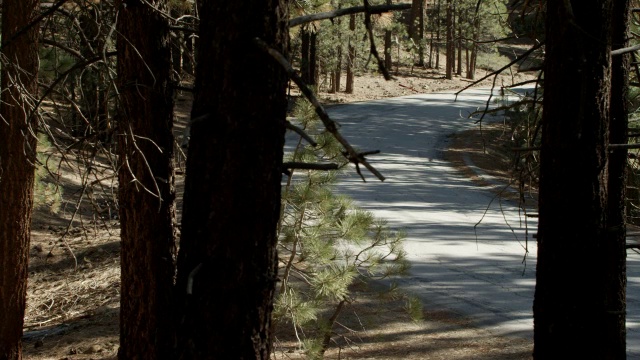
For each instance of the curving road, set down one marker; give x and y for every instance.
(478, 274)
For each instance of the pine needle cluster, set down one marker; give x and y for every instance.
(327, 244)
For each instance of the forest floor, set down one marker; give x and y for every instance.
(73, 290)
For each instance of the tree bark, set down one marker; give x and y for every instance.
(615, 288)
(387, 46)
(17, 156)
(146, 193)
(450, 49)
(579, 281)
(227, 264)
(351, 56)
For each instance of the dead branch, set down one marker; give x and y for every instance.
(373, 51)
(625, 50)
(293, 165)
(378, 9)
(331, 126)
(35, 21)
(301, 132)
(495, 73)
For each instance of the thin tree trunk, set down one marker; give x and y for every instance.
(227, 264)
(421, 35)
(450, 49)
(313, 59)
(578, 278)
(337, 75)
(438, 36)
(351, 57)
(305, 49)
(387, 46)
(145, 147)
(17, 156)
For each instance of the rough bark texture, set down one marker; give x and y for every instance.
(615, 287)
(17, 156)
(227, 264)
(577, 262)
(351, 56)
(450, 46)
(146, 177)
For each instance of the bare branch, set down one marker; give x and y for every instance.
(301, 132)
(309, 166)
(329, 124)
(352, 10)
(494, 73)
(373, 50)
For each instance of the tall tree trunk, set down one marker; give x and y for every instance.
(146, 181)
(17, 156)
(227, 264)
(313, 59)
(305, 50)
(578, 272)
(387, 46)
(421, 35)
(615, 288)
(438, 35)
(450, 47)
(337, 75)
(351, 57)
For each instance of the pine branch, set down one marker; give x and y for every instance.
(301, 132)
(330, 125)
(352, 10)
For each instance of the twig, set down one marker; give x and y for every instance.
(494, 73)
(309, 166)
(300, 132)
(330, 125)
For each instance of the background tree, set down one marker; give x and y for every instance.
(18, 128)
(146, 193)
(227, 270)
(573, 232)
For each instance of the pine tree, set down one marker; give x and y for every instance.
(326, 243)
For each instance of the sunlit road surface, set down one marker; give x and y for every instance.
(485, 273)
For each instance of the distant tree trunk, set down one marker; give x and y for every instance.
(313, 59)
(459, 45)
(337, 74)
(438, 35)
(450, 47)
(18, 81)
(305, 51)
(615, 253)
(578, 312)
(471, 73)
(351, 57)
(146, 192)
(421, 35)
(227, 264)
(413, 17)
(387, 46)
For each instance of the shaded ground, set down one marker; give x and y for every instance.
(73, 290)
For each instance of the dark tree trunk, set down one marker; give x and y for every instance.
(577, 312)
(305, 50)
(615, 288)
(438, 35)
(146, 182)
(387, 46)
(420, 33)
(337, 75)
(450, 46)
(17, 154)
(313, 59)
(351, 57)
(227, 264)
